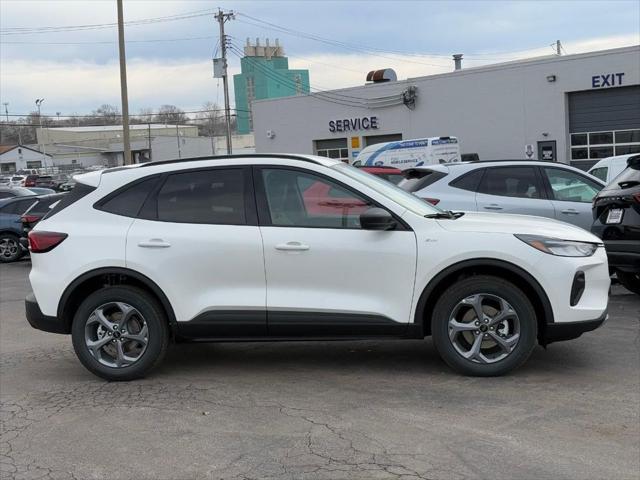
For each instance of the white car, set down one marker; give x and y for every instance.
(286, 247)
(609, 168)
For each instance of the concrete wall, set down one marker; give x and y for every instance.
(494, 111)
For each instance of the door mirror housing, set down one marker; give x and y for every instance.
(377, 219)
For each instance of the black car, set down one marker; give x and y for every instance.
(616, 213)
(46, 181)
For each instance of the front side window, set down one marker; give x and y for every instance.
(300, 199)
(214, 196)
(518, 182)
(570, 186)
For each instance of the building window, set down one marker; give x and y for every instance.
(373, 139)
(333, 148)
(7, 167)
(596, 145)
(34, 164)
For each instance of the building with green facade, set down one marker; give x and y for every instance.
(265, 74)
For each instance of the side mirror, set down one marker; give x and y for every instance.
(377, 219)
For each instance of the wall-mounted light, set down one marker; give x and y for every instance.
(551, 78)
(271, 134)
(545, 134)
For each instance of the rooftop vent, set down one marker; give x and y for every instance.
(457, 59)
(380, 76)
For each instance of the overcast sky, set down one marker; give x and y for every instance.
(169, 60)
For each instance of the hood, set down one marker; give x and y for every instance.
(507, 223)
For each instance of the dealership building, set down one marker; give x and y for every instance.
(571, 108)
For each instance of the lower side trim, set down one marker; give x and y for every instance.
(557, 332)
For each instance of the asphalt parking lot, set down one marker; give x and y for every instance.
(357, 410)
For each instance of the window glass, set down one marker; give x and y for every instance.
(510, 182)
(570, 186)
(579, 153)
(469, 181)
(421, 179)
(600, 152)
(629, 136)
(129, 201)
(626, 149)
(43, 205)
(600, 173)
(211, 196)
(599, 138)
(578, 139)
(18, 207)
(299, 199)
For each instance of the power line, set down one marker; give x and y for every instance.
(154, 40)
(118, 115)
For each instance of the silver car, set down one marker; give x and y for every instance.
(544, 189)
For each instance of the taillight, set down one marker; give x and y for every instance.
(432, 201)
(636, 197)
(41, 242)
(30, 218)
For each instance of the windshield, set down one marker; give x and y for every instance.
(389, 190)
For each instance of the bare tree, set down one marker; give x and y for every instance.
(170, 114)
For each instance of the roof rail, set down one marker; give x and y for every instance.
(512, 160)
(287, 156)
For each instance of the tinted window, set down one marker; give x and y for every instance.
(419, 179)
(511, 182)
(128, 202)
(299, 199)
(44, 203)
(18, 207)
(210, 196)
(469, 181)
(600, 173)
(571, 186)
(76, 194)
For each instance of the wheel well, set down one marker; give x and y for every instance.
(507, 271)
(90, 282)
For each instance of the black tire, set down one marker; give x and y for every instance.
(484, 284)
(158, 332)
(11, 250)
(630, 281)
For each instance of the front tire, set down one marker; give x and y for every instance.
(484, 326)
(630, 281)
(10, 248)
(120, 333)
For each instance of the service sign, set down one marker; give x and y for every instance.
(353, 124)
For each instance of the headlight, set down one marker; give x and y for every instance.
(561, 248)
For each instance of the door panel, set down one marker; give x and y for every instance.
(325, 275)
(572, 195)
(513, 189)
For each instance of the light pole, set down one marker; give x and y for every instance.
(44, 148)
(6, 110)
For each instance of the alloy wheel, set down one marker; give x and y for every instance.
(9, 248)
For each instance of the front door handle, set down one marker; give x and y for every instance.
(493, 206)
(292, 247)
(154, 243)
(570, 211)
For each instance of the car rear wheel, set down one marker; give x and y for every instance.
(10, 249)
(630, 281)
(484, 326)
(120, 333)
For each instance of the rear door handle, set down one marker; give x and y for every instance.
(292, 247)
(570, 211)
(493, 206)
(154, 243)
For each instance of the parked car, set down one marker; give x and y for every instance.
(30, 181)
(11, 209)
(46, 181)
(390, 174)
(67, 186)
(224, 248)
(609, 168)
(17, 181)
(38, 210)
(10, 192)
(544, 189)
(616, 213)
(41, 191)
(5, 181)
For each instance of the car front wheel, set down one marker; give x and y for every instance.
(120, 333)
(484, 326)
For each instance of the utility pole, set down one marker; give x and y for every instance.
(123, 87)
(6, 110)
(149, 138)
(178, 140)
(223, 17)
(44, 147)
(558, 47)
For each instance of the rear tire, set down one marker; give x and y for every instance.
(498, 342)
(120, 333)
(630, 281)
(10, 248)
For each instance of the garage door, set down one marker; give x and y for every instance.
(604, 122)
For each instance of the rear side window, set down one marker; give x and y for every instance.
(470, 181)
(421, 179)
(520, 182)
(79, 191)
(214, 196)
(128, 201)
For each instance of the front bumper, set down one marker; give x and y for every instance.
(558, 332)
(39, 320)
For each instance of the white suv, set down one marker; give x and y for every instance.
(285, 247)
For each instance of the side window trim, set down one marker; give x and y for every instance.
(149, 210)
(264, 216)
